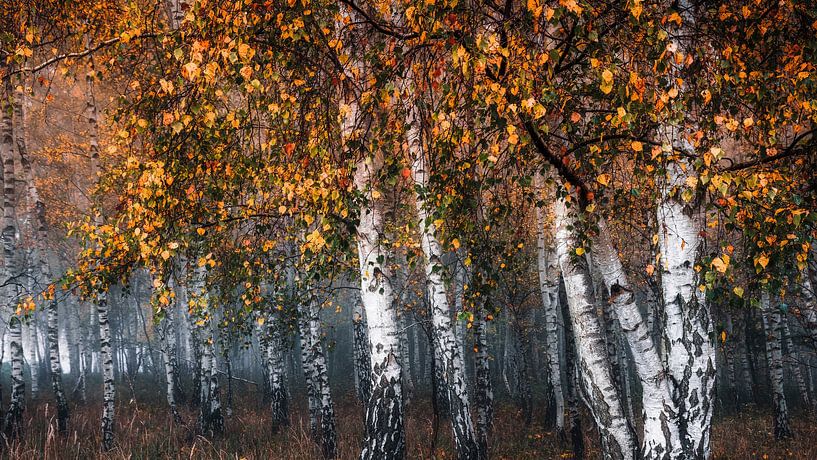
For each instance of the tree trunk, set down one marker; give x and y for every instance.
(573, 422)
(56, 367)
(452, 363)
(13, 423)
(772, 326)
(483, 390)
(279, 398)
(385, 434)
(660, 413)
(794, 362)
(688, 326)
(617, 437)
(329, 434)
(547, 268)
(362, 359)
(310, 374)
(167, 332)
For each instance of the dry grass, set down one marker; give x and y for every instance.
(145, 431)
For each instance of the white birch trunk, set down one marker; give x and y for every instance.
(13, 423)
(617, 437)
(274, 348)
(483, 390)
(548, 271)
(385, 435)
(453, 365)
(688, 328)
(794, 362)
(660, 413)
(167, 336)
(211, 420)
(362, 359)
(329, 434)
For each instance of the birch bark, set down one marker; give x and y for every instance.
(774, 355)
(617, 437)
(452, 363)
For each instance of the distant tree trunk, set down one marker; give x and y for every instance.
(483, 390)
(362, 359)
(522, 355)
(794, 363)
(106, 356)
(452, 363)
(56, 367)
(329, 434)
(772, 326)
(211, 420)
(29, 226)
(167, 334)
(279, 399)
(747, 376)
(617, 436)
(310, 373)
(101, 301)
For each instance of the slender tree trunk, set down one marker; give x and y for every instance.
(106, 356)
(279, 398)
(547, 267)
(310, 373)
(168, 340)
(794, 362)
(211, 419)
(329, 434)
(56, 367)
(573, 422)
(483, 390)
(13, 423)
(452, 363)
(362, 359)
(772, 326)
(617, 437)
(660, 413)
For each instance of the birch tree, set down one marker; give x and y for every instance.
(452, 364)
(13, 421)
(772, 326)
(617, 437)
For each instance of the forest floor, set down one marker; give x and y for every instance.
(146, 431)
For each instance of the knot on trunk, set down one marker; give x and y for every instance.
(619, 293)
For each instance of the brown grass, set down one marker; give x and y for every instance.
(145, 431)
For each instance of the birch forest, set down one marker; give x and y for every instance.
(408, 229)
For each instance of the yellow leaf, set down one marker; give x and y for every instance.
(719, 264)
(738, 291)
(762, 260)
(455, 243)
(376, 194)
(636, 146)
(579, 251)
(603, 179)
(606, 84)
